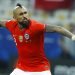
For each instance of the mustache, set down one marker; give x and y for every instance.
(25, 18)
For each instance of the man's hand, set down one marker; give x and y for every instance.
(73, 37)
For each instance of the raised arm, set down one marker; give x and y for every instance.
(3, 23)
(59, 29)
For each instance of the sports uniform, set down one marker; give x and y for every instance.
(30, 44)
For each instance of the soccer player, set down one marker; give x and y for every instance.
(29, 37)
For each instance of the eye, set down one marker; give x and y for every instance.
(25, 12)
(21, 13)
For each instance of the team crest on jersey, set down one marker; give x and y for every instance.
(26, 36)
(21, 38)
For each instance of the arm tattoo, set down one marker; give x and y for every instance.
(59, 29)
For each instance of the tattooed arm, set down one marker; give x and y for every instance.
(59, 29)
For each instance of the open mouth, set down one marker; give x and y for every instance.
(25, 20)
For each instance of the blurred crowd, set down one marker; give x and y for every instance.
(57, 16)
(56, 46)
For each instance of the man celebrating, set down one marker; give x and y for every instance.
(28, 35)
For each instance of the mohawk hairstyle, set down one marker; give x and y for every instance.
(18, 4)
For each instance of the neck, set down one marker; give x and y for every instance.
(20, 26)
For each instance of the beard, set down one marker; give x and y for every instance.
(25, 24)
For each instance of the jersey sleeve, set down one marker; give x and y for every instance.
(37, 27)
(40, 27)
(10, 25)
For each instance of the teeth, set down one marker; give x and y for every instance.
(25, 19)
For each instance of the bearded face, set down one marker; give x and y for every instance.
(24, 23)
(21, 15)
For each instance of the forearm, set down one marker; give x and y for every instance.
(64, 32)
(59, 29)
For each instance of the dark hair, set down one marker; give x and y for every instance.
(18, 4)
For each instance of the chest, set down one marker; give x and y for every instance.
(24, 36)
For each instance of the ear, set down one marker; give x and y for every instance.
(13, 16)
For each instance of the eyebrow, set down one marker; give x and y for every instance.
(25, 12)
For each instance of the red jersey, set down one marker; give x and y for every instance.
(30, 44)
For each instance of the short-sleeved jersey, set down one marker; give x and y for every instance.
(30, 44)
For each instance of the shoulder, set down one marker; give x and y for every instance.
(11, 24)
(11, 21)
(37, 25)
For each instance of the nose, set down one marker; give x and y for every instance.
(24, 15)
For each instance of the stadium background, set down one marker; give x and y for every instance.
(59, 50)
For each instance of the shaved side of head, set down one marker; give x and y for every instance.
(18, 6)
